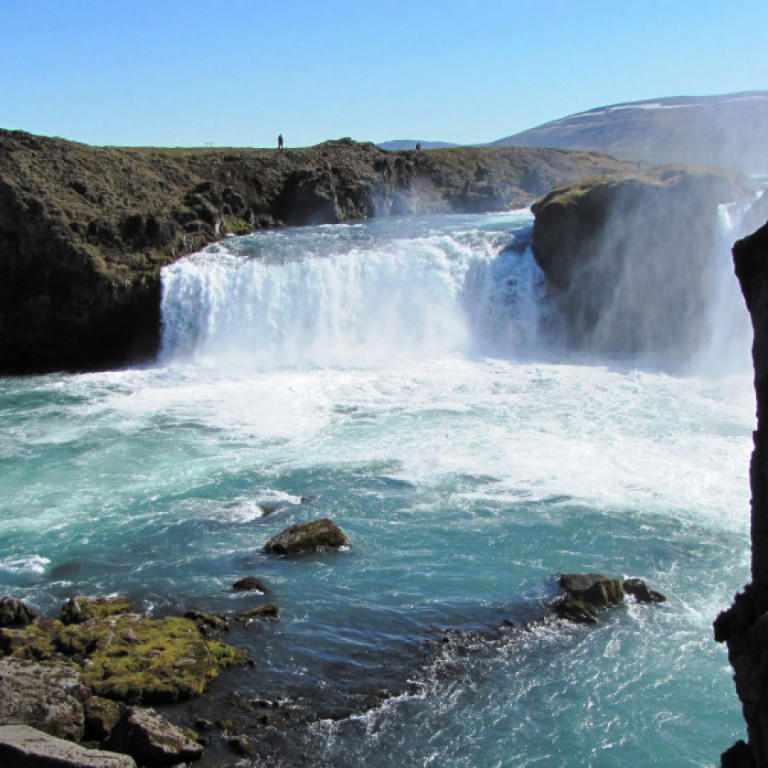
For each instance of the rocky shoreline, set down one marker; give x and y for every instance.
(67, 699)
(85, 231)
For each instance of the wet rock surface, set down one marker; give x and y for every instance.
(307, 538)
(607, 244)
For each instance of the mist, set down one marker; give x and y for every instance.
(640, 268)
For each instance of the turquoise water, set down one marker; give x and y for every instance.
(390, 376)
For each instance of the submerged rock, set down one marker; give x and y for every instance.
(267, 611)
(250, 584)
(306, 538)
(24, 747)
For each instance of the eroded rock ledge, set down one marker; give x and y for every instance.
(84, 231)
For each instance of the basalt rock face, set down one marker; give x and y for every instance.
(626, 258)
(84, 231)
(744, 626)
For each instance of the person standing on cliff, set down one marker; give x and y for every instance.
(280, 141)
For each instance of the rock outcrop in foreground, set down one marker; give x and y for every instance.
(626, 258)
(77, 682)
(744, 626)
(84, 231)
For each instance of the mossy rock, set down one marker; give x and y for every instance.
(130, 657)
(101, 716)
(237, 226)
(79, 609)
(32, 642)
(155, 660)
(593, 589)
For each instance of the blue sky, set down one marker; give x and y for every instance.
(238, 72)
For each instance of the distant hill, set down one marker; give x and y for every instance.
(729, 130)
(400, 144)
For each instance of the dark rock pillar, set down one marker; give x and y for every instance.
(744, 626)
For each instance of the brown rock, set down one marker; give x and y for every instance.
(593, 588)
(306, 538)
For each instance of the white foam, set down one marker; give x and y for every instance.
(30, 564)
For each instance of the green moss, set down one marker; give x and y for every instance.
(31, 642)
(234, 225)
(155, 661)
(80, 609)
(129, 657)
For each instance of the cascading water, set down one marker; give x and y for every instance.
(391, 375)
(355, 297)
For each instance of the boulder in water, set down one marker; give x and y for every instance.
(250, 584)
(588, 593)
(306, 538)
(639, 590)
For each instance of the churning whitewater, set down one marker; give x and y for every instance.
(394, 376)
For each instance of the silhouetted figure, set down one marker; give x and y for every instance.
(280, 141)
(418, 147)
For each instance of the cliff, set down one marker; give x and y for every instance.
(85, 231)
(744, 626)
(626, 259)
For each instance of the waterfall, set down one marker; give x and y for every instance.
(356, 295)
(386, 291)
